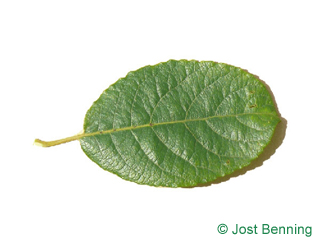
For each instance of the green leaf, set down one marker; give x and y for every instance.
(179, 123)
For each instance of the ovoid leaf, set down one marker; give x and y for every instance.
(178, 123)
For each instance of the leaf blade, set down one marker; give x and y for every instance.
(168, 124)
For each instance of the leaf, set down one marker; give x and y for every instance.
(179, 123)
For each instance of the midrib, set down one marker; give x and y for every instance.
(168, 123)
(82, 135)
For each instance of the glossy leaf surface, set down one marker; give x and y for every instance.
(180, 123)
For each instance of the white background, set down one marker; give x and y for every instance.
(56, 57)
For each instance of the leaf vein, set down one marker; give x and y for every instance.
(133, 102)
(204, 89)
(172, 150)
(157, 165)
(201, 143)
(228, 97)
(171, 89)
